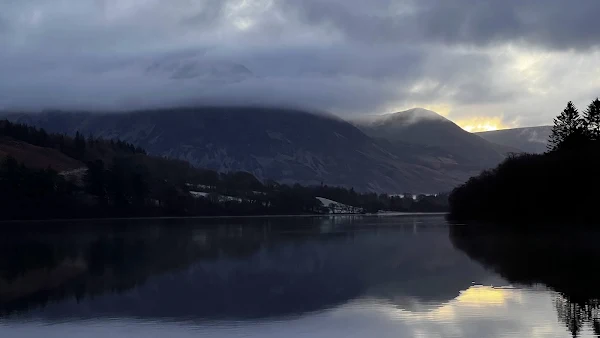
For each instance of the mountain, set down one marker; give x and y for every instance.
(285, 145)
(529, 139)
(426, 128)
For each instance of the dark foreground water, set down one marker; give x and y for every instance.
(402, 276)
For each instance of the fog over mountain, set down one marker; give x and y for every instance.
(529, 139)
(427, 128)
(510, 61)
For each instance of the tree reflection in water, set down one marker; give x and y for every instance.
(563, 260)
(240, 269)
(575, 316)
(47, 263)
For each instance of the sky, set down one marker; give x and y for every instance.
(485, 64)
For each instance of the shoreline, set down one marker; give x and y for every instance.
(385, 214)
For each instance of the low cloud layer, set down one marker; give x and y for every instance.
(504, 62)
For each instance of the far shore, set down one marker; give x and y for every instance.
(382, 214)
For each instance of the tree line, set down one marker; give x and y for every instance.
(78, 147)
(557, 186)
(122, 180)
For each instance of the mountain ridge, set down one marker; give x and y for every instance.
(424, 127)
(412, 151)
(286, 145)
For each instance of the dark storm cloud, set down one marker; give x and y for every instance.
(547, 23)
(345, 56)
(344, 79)
(555, 24)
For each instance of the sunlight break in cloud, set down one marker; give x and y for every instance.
(477, 124)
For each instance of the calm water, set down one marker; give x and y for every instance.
(406, 276)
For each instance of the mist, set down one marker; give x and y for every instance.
(349, 58)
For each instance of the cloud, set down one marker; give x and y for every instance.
(521, 60)
(555, 24)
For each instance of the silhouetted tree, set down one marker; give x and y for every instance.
(140, 189)
(95, 180)
(567, 124)
(118, 181)
(592, 120)
(90, 141)
(79, 146)
(553, 187)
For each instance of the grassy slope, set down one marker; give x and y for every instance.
(37, 157)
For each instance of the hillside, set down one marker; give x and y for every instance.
(121, 180)
(529, 139)
(37, 157)
(288, 146)
(427, 128)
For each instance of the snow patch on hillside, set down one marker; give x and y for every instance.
(198, 194)
(222, 198)
(338, 208)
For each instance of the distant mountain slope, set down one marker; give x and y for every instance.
(529, 139)
(427, 128)
(284, 145)
(37, 157)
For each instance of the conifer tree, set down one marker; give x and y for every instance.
(592, 120)
(566, 124)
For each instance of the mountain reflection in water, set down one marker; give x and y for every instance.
(293, 276)
(238, 269)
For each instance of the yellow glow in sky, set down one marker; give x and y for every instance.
(477, 124)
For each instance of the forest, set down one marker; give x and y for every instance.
(118, 179)
(558, 187)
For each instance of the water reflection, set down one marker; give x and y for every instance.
(295, 277)
(231, 269)
(563, 260)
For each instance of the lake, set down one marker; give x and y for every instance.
(344, 276)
